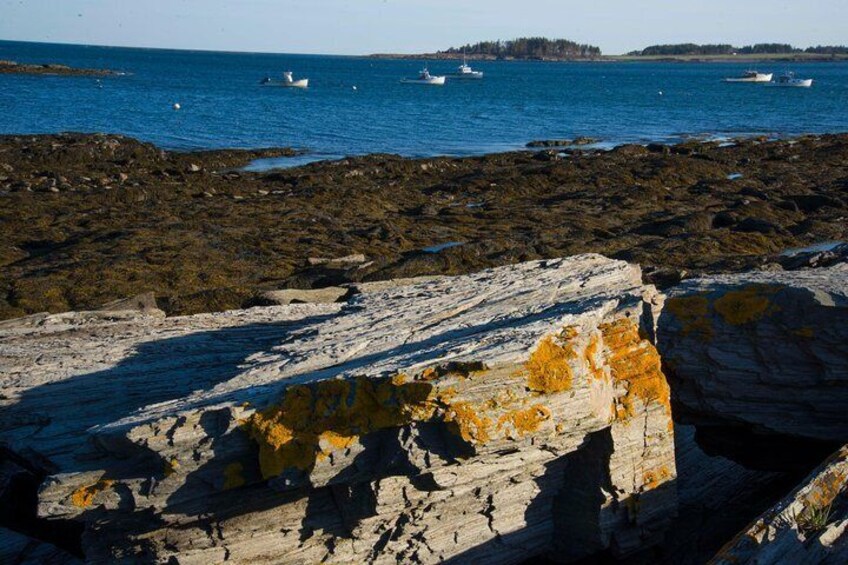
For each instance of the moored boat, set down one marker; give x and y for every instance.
(466, 72)
(425, 78)
(789, 79)
(288, 81)
(751, 76)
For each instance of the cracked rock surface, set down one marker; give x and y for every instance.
(519, 411)
(765, 352)
(807, 527)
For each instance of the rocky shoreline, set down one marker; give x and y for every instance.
(354, 404)
(89, 219)
(52, 69)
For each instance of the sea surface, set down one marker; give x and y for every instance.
(223, 104)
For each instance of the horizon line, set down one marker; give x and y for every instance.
(384, 54)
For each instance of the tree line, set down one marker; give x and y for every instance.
(529, 48)
(727, 49)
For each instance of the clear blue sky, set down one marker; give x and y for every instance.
(410, 26)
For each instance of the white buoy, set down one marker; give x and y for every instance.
(354, 87)
(660, 92)
(177, 106)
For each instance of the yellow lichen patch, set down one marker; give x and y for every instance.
(739, 307)
(399, 379)
(83, 497)
(467, 423)
(569, 332)
(333, 413)
(335, 441)
(826, 488)
(233, 476)
(805, 332)
(635, 364)
(693, 312)
(549, 369)
(654, 478)
(171, 466)
(524, 421)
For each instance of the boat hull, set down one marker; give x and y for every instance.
(466, 76)
(758, 78)
(796, 83)
(433, 81)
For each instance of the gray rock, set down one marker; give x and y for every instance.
(22, 550)
(346, 261)
(286, 296)
(491, 417)
(807, 527)
(145, 303)
(389, 285)
(764, 350)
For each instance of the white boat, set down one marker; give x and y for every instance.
(751, 76)
(788, 79)
(290, 82)
(287, 81)
(466, 72)
(425, 78)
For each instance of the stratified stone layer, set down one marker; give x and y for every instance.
(765, 351)
(519, 411)
(806, 527)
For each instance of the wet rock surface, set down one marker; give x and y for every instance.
(515, 412)
(91, 219)
(10, 67)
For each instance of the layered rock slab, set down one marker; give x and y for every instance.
(807, 527)
(515, 412)
(764, 351)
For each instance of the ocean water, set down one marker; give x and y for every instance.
(223, 104)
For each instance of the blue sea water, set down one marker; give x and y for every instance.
(223, 105)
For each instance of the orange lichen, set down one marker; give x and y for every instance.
(549, 369)
(805, 332)
(525, 421)
(83, 497)
(336, 441)
(171, 466)
(653, 478)
(569, 332)
(635, 363)
(233, 476)
(290, 434)
(693, 312)
(467, 423)
(739, 307)
(826, 488)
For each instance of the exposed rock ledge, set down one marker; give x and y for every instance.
(806, 527)
(516, 412)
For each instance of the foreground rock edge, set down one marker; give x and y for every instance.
(575, 372)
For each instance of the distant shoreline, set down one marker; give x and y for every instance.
(11, 67)
(746, 59)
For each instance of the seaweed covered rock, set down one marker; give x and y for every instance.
(515, 412)
(807, 526)
(765, 352)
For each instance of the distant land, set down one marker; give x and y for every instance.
(543, 49)
(520, 49)
(11, 67)
(727, 52)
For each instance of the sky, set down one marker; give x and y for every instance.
(360, 27)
